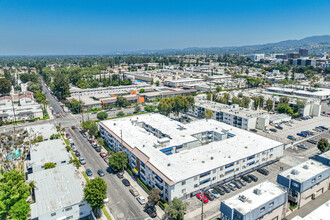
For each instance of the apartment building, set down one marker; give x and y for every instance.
(181, 159)
(265, 201)
(305, 182)
(231, 114)
(324, 158)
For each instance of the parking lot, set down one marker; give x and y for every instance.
(297, 127)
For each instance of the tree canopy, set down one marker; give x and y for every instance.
(5, 86)
(323, 145)
(102, 115)
(176, 209)
(95, 192)
(115, 161)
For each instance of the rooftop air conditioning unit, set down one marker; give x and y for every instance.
(257, 191)
(305, 167)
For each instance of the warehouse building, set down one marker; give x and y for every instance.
(305, 182)
(265, 201)
(181, 159)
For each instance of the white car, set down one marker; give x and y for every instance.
(141, 200)
(106, 200)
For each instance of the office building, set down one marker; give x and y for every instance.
(181, 159)
(293, 55)
(320, 213)
(305, 182)
(303, 52)
(324, 158)
(265, 201)
(256, 57)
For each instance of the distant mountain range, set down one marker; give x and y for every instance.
(315, 44)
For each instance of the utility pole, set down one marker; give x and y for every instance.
(122, 151)
(81, 110)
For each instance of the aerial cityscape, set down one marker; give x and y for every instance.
(214, 110)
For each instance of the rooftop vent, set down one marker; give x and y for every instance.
(114, 123)
(242, 198)
(294, 172)
(305, 167)
(212, 158)
(257, 191)
(168, 164)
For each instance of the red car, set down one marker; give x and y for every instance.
(102, 154)
(91, 141)
(202, 197)
(67, 135)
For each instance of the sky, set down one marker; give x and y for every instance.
(71, 27)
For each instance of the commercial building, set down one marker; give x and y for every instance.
(303, 52)
(150, 96)
(318, 93)
(293, 55)
(324, 158)
(321, 213)
(256, 57)
(265, 201)
(58, 194)
(305, 181)
(181, 159)
(182, 82)
(303, 62)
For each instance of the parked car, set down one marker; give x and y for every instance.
(120, 175)
(247, 179)
(263, 171)
(273, 130)
(74, 148)
(134, 192)
(318, 129)
(151, 210)
(237, 184)
(91, 141)
(214, 192)
(312, 141)
(301, 134)
(226, 188)
(254, 130)
(302, 146)
(232, 186)
(141, 200)
(89, 172)
(94, 145)
(220, 190)
(84, 135)
(266, 130)
(102, 154)
(324, 128)
(82, 160)
(202, 197)
(126, 182)
(100, 172)
(67, 135)
(242, 182)
(209, 195)
(98, 149)
(291, 137)
(77, 154)
(253, 177)
(279, 127)
(72, 143)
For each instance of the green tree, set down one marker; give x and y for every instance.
(120, 114)
(13, 195)
(86, 125)
(137, 108)
(245, 103)
(100, 141)
(284, 99)
(95, 192)
(142, 90)
(209, 96)
(49, 165)
(157, 83)
(236, 100)
(92, 131)
(176, 209)
(35, 88)
(61, 85)
(75, 106)
(284, 108)
(154, 196)
(115, 161)
(269, 104)
(5, 86)
(219, 89)
(300, 103)
(323, 145)
(208, 114)
(102, 115)
(152, 81)
(255, 102)
(261, 101)
(149, 108)
(122, 101)
(165, 106)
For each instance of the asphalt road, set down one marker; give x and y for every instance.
(53, 103)
(122, 204)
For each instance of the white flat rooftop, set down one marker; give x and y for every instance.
(268, 192)
(46, 130)
(190, 162)
(321, 213)
(303, 174)
(56, 188)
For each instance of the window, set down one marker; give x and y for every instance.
(68, 209)
(250, 157)
(319, 177)
(82, 204)
(63, 161)
(262, 209)
(229, 165)
(53, 214)
(196, 185)
(204, 181)
(205, 174)
(213, 178)
(271, 204)
(313, 180)
(183, 182)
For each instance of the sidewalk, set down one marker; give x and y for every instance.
(142, 192)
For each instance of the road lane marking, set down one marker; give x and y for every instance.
(133, 213)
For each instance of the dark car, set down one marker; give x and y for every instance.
(209, 195)
(254, 130)
(301, 134)
(263, 171)
(279, 127)
(126, 182)
(151, 210)
(89, 172)
(312, 141)
(247, 179)
(100, 172)
(120, 175)
(253, 177)
(242, 182)
(98, 149)
(273, 130)
(77, 154)
(226, 188)
(291, 137)
(324, 128)
(237, 184)
(220, 190)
